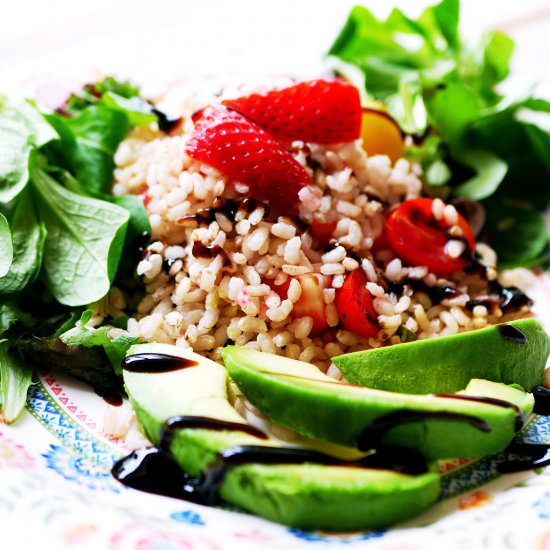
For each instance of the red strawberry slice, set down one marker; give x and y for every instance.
(241, 150)
(320, 111)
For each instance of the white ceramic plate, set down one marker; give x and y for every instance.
(56, 491)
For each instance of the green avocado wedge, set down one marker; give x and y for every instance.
(300, 397)
(448, 363)
(307, 495)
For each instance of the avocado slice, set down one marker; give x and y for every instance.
(299, 396)
(448, 363)
(305, 495)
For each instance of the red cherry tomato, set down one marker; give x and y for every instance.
(322, 231)
(419, 239)
(310, 303)
(354, 304)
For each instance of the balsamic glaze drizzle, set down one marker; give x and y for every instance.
(542, 400)
(512, 333)
(227, 207)
(166, 123)
(538, 456)
(156, 362)
(520, 417)
(175, 423)
(154, 470)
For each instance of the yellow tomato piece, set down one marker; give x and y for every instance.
(381, 135)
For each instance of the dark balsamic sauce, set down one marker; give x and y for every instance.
(200, 250)
(156, 362)
(512, 334)
(202, 422)
(512, 298)
(227, 207)
(520, 417)
(141, 242)
(436, 293)
(538, 456)
(115, 400)
(542, 400)
(167, 263)
(166, 124)
(154, 470)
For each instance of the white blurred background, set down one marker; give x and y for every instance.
(161, 39)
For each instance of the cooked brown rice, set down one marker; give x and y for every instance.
(204, 303)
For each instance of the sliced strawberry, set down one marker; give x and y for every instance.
(354, 304)
(310, 303)
(241, 150)
(320, 111)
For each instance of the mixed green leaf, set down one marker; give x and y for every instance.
(472, 141)
(62, 232)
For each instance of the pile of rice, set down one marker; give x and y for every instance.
(206, 303)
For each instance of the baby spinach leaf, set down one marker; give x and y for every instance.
(497, 54)
(447, 15)
(490, 171)
(28, 236)
(526, 149)
(138, 223)
(452, 109)
(518, 233)
(88, 144)
(9, 316)
(21, 128)
(15, 380)
(83, 244)
(437, 173)
(136, 109)
(6, 246)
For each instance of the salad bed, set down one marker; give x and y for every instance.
(308, 220)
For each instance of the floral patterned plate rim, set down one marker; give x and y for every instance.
(55, 476)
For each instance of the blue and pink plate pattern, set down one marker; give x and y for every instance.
(56, 491)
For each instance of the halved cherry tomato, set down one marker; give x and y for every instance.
(419, 239)
(322, 231)
(354, 304)
(381, 134)
(145, 198)
(310, 303)
(381, 242)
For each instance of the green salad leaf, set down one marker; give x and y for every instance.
(15, 380)
(88, 144)
(490, 170)
(114, 341)
(28, 236)
(22, 128)
(84, 241)
(9, 316)
(471, 140)
(62, 235)
(6, 246)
